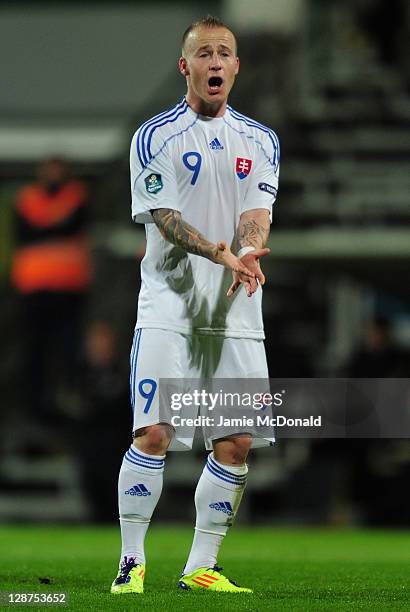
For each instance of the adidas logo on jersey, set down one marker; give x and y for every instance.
(222, 507)
(138, 489)
(215, 145)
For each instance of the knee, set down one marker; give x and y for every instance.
(240, 449)
(233, 450)
(154, 439)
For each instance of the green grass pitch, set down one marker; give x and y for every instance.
(289, 569)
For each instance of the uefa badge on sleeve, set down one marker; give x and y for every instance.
(243, 167)
(153, 183)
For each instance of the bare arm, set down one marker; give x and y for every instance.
(254, 228)
(253, 232)
(176, 230)
(180, 233)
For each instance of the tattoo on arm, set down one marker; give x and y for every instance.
(252, 233)
(174, 229)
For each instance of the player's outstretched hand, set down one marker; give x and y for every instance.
(226, 258)
(251, 260)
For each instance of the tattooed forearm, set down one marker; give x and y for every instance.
(253, 229)
(178, 232)
(252, 234)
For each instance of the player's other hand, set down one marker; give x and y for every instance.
(251, 261)
(226, 258)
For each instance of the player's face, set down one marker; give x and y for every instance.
(210, 65)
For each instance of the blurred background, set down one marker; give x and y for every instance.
(77, 78)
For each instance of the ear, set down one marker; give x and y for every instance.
(237, 65)
(183, 66)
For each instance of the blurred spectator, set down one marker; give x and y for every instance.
(97, 430)
(51, 272)
(378, 356)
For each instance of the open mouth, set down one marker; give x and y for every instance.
(214, 84)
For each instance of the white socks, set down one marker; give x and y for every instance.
(139, 489)
(217, 498)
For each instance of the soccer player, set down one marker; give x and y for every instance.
(203, 181)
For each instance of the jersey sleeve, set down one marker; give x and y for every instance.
(264, 177)
(153, 182)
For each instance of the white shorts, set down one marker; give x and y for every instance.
(161, 354)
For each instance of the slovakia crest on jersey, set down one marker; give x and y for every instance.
(243, 167)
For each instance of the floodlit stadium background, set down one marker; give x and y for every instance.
(332, 78)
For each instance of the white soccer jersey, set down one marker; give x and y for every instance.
(211, 170)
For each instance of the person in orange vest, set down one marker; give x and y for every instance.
(51, 272)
